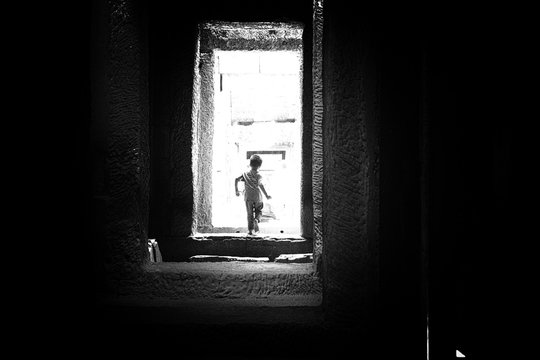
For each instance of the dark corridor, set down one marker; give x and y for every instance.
(416, 179)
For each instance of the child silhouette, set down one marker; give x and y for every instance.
(253, 182)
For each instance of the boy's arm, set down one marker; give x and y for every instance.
(240, 178)
(264, 192)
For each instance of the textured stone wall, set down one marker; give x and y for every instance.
(260, 36)
(120, 131)
(350, 96)
(370, 210)
(306, 222)
(222, 280)
(203, 125)
(173, 45)
(317, 132)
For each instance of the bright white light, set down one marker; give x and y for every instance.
(459, 354)
(257, 102)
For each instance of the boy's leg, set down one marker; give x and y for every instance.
(249, 212)
(258, 213)
(256, 225)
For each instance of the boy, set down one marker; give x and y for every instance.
(252, 195)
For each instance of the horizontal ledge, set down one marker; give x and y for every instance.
(220, 258)
(231, 267)
(181, 248)
(238, 236)
(261, 25)
(223, 280)
(301, 310)
(284, 258)
(313, 300)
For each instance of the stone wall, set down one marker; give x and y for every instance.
(120, 139)
(350, 97)
(371, 256)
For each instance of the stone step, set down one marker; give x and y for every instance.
(218, 258)
(295, 258)
(181, 249)
(283, 258)
(304, 310)
(262, 281)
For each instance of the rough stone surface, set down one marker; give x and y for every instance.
(203, 127)
(303, 310)
(174, 67)
(317, 128)
(307, 135)
(218, 258)
(294, 258)
(174, 249)
(126, 177)
(219, 280)
(350, 95)
(260, 36)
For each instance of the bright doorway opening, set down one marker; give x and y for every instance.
(257, 110)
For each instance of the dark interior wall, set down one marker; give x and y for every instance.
(350, 97)
(469, 140)
(371, 211)
(402, 306)
(172, 41)
(445, 135)
(409, 100)
(317, 108)
(119, 136)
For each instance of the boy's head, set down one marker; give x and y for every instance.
(255, 161)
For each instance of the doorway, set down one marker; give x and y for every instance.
(257, 110)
